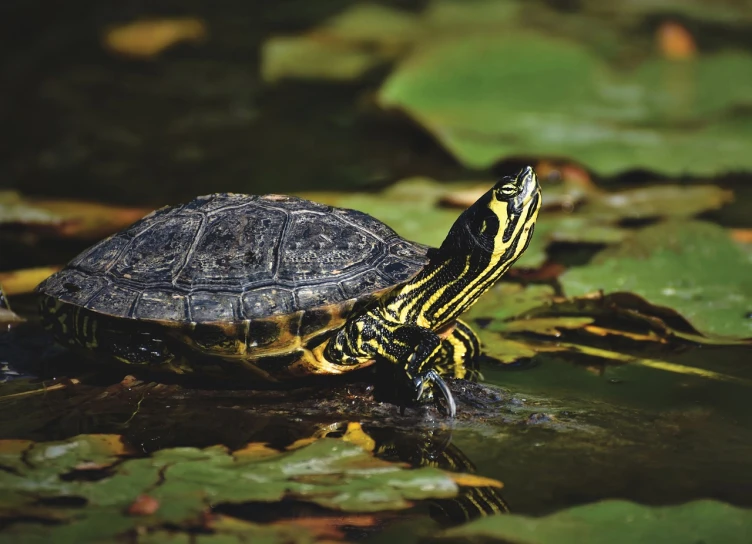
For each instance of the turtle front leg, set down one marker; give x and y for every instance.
(412, 349)
(459, 353)
(455, 355)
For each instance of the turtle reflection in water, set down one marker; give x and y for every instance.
(275, 287)
(426, 448)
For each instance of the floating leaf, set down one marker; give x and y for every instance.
(656, 201)
(502, 305)
(345, 47)
(615, 522)
(178, 486)
(691, 266)
(490, 97)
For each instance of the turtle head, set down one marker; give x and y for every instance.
(500, 223)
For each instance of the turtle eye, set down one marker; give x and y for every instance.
(507, 190)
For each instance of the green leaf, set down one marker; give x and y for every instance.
(616, 522)
(655, 201)
(691, 266)
(344, 48)
(181, 484)
(490, 97)
(733, 12)
(505, 304)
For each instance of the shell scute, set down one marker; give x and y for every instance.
(158, 252)
(169, 305)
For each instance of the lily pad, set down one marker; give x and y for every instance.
(615, 522)
(656, 201)
(491, 97)
(343, 48)
(692, 267)
(179, 486)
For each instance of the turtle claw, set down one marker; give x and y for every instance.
(450, 410)
(434, 380)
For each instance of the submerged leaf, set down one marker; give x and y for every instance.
(616, 522)
(691, 266)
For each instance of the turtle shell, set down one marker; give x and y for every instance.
(268, 271)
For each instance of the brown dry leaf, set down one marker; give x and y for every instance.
(19, 282)
(110, 444)
(742, 235)
(330, 529)
(144, 505)
(675, 41)
(14, 447)
(570, 173)
(64, 218)
(147, 38)
(651, 336)
(90, 220)
(302, 442)
(255, 450)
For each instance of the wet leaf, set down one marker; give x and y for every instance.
(17, 282)
(149, 37)
(65, 218)
(178, 486)
(490, 97)
(615, 522)
(692, 267)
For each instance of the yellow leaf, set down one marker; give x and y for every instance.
(473, 480)
(147, 38)
(19, 282)
(255, 450)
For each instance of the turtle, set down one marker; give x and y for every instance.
(275, 288)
